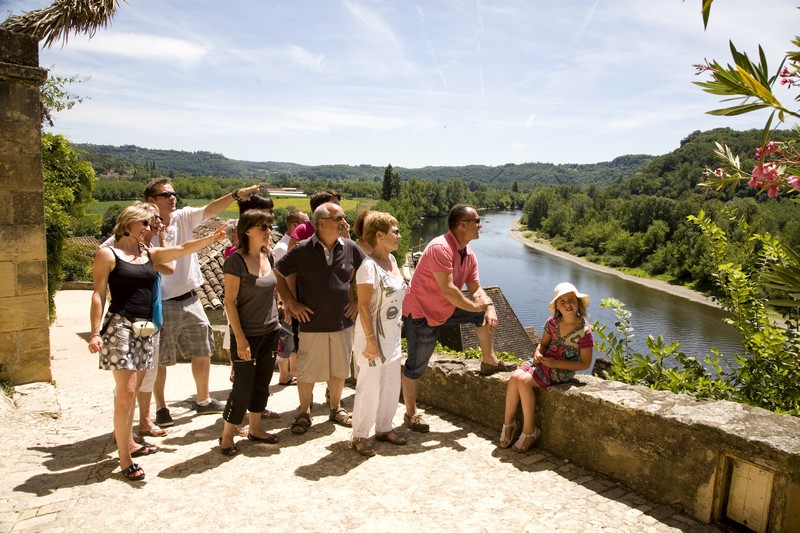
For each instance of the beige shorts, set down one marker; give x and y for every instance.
(324, 355)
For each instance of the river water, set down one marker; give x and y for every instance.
(527, 278)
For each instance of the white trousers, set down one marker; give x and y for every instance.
(377, 397)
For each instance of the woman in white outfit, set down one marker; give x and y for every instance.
(381, 289)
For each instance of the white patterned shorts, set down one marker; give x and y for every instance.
(122, 350)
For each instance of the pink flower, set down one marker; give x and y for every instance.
(719, 171)
(785, 81)
(773, 191)
(794, 182)
(785, 72)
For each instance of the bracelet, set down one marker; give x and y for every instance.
(235, 194)
(370, 335)
(96, 335)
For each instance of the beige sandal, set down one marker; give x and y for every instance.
(363, 447)
(527, 440)
(507, 434)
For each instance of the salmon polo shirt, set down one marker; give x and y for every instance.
(424, 299)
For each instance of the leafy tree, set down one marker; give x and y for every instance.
(68, 184)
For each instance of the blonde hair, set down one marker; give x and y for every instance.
(134, 213)
(377, 221)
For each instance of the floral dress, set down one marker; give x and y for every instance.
(567, 347)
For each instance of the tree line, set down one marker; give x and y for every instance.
(642, 223)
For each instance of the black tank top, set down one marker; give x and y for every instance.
(132, 288)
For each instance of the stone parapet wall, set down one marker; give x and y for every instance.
(24, 321)
(720, 462)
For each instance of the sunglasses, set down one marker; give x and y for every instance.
(265, 227)
(165, 195)
(146, 223)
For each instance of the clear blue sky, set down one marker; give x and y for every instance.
(411, 84)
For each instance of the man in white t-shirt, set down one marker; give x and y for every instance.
(185, 321)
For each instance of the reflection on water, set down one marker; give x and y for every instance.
(527, 278)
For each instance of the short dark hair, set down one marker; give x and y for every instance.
(155, 185)
(256, 201)
(249, 219)
(458, 213)
(293, 217)
(323, 197)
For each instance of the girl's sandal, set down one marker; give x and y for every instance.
(507, 434)
(133, 473)
(527, 440)
(363, 447)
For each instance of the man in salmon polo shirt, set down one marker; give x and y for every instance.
(434, 299)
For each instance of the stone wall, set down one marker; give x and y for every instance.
(720, 462)
(24, 322)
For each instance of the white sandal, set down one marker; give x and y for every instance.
(527, 440)
(506, 442)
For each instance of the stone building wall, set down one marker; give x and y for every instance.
(24, 323)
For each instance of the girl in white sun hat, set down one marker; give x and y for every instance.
(564, 348)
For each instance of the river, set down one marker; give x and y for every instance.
(527, 277)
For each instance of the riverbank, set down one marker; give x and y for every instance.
(545, 247)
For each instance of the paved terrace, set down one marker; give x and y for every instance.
(60, 471)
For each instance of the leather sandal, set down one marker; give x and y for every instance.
(527, 440)
(392, 438)
(301, 424)
(363, 447)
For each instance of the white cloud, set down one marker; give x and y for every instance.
(141, 46)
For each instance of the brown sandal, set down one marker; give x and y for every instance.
(392, 438)
(363, 447)
(342, 417)
(301, 424)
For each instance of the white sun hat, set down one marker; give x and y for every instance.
(566, 288)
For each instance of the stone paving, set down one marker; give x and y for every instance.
(60, 471)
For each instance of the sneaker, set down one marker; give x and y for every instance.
(213, 407)
(416, 423)
(163, 419)
(501, 366)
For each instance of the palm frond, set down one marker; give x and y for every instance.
(55, 22)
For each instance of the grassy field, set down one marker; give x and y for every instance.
(233, 212)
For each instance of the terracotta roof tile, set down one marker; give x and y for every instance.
(510, 336)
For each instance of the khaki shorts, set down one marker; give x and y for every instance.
(324, 355)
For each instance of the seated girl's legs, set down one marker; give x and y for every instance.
(127, 385)
(526, 387)
(388, 396)
(512, 396)
(365, 405)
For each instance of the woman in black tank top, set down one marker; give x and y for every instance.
(127, 270)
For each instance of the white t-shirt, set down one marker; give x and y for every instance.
(281, 247)
(385, 310)
(187, 274)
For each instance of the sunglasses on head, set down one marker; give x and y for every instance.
(165, 195)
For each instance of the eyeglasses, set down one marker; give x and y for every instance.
(166, 194)
(475, 220)
(337, 218)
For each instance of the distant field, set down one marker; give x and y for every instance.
(233, 212)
